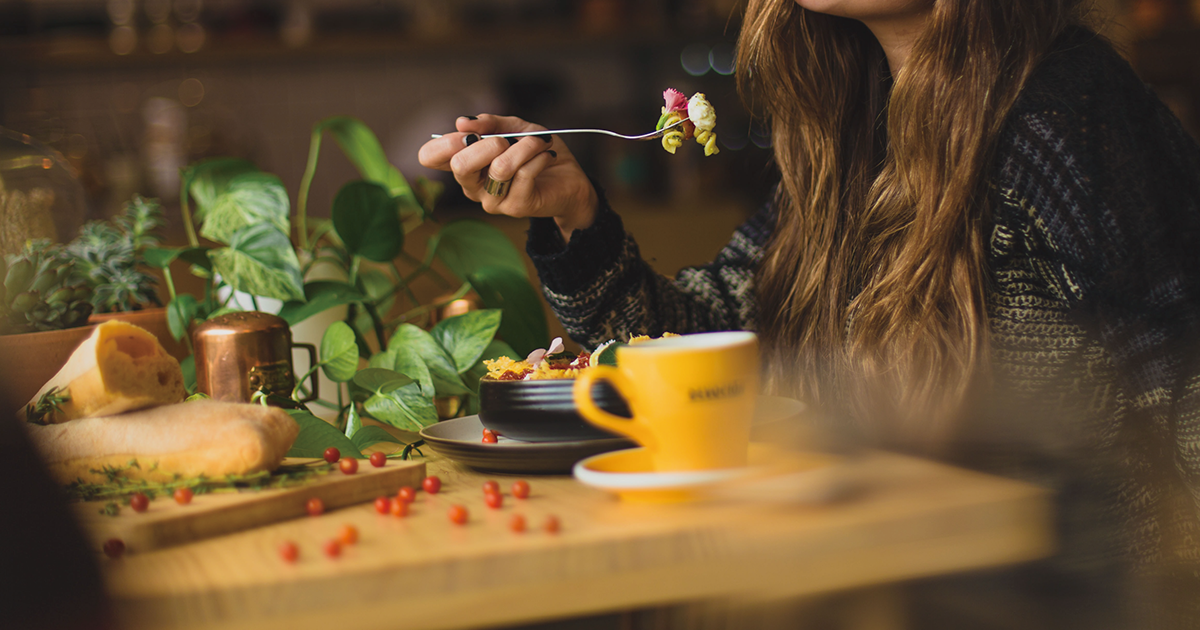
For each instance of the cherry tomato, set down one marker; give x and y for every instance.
(399, 508)
(348, 534)
(489, 436)
(114, 547)
(383, 505)
(139, 502)
(551, 524)
(407, 494)
(332, 548)
(517, 523)
(183, 496)
(493, 499)
(332, 454)
(432, 485)
(349, 465)
(520, 489)
(491, 486)
(458, 514)
(289, 551)
(378, 459)
(315, 507)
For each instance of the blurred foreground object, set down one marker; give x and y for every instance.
(47, 563)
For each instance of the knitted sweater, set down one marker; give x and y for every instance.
(1093, 294)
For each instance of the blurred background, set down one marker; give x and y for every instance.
(128, 91)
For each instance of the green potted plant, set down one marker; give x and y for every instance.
(109, 258)
(264, 250)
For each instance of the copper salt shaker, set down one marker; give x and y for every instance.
(240, 353)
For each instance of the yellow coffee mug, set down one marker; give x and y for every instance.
(692, 398)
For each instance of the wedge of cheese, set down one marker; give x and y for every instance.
(120, 367)
(202, 437)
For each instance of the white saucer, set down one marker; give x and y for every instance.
(789, 475)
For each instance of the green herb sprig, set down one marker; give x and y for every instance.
(49, 403)
(119, 487)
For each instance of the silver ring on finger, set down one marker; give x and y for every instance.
(495, 187)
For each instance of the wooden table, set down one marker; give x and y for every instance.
(910, 518)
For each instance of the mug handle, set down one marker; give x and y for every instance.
(633, 427)
(314, 379)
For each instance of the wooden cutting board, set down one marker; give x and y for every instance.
(166, 523)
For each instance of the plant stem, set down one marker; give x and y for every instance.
(424, 267)
(421, 310)
(341, 407)
(302, 380)
(310, 169)
(377, 323)
(170, 283)
(253, 301)
(186, 212)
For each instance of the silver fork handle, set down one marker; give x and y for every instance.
(521, 134)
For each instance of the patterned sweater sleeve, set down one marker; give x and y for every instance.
(601, 289)
(1112, 183)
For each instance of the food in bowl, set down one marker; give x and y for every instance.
(533, 399)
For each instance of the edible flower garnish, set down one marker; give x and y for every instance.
(536, 356)
(555, 362)
(699, 121)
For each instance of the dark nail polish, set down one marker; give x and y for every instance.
(548, 138)
(470, 117)
(553, 153)
(512, 141)
(470, 139)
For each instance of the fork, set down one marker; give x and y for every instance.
(645, 136)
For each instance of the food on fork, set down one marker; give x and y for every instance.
(699, 121)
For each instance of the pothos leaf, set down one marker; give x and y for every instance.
(353, 422)
(523, 325)
(466, 246)
(320, 295)
(409, 364)
(180, 313)
(208, 179)
(404, 408)
(366, 220)
(316, 435)
(466, 336)
(371, 435)
(339, 352)
(414, 344)
(252, 199)
(361, 145)
(375, 379)
(260, 261)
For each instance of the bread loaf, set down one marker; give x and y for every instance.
(188, 439)
(119, 368)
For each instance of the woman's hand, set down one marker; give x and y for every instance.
(545, 180)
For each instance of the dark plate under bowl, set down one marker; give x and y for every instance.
(543, 411)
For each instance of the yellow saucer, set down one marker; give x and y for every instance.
(629, 474)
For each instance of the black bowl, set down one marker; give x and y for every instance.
(544, 410)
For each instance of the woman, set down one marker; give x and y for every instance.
(985, 244)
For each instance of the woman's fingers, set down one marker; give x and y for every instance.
(523, 198)
(506, 165)
(470, 165)
(436, 153)
(488, 123)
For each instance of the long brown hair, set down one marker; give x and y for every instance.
(872, 289)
